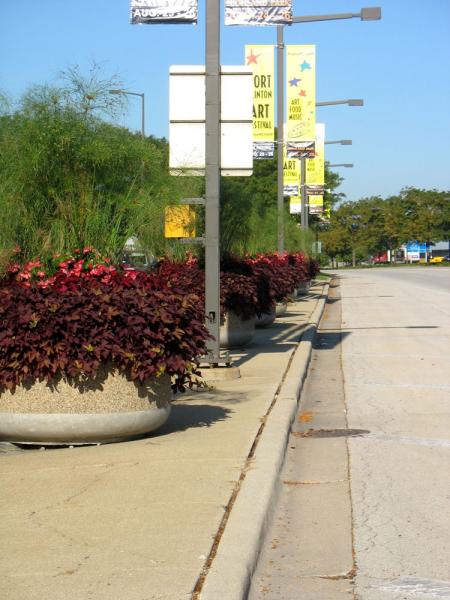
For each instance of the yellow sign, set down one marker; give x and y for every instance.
(315, 167)
(291, 175)
(179, 222)
(261, 59)
(301, 92)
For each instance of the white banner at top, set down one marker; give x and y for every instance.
(163, 11)
(258, 12)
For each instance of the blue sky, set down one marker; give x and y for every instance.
(399, 65)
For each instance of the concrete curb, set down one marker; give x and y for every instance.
(230, 573)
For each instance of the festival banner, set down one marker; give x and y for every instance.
(301, 149)
(258, 12)
(315, 205)
(263, 150)
(179, 222)
(314, 189)
(301, 92)
(163, 11)
(261, 60)
(295, 205)
(315, 167)
(291, 176)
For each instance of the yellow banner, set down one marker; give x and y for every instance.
(295, 205)
(315, 204)
(179, 222)
(315, 167)
(301, 92)
(261, 59)
(291, 175)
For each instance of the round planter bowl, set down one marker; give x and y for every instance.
(109, 408)
(303, 287)
(236, 332)
(265, 319)
(280, 309)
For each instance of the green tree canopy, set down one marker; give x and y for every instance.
(372, 225)
(70, 179)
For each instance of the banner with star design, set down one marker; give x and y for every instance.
(163, 11)
(301, 92)
(258, 12)
(261, 60)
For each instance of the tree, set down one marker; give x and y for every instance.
(70, 179)
(373, 225)
(249, 213)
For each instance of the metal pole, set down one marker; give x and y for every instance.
(280, 140)
(212, 177)
(303, 197)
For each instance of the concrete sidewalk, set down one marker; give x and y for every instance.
(176, 515)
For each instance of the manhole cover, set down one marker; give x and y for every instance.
(332, 433)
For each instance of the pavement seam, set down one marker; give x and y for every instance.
(354, 570)
(234, 553)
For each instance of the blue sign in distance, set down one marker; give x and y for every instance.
(416, 247)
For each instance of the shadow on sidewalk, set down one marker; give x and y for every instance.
(279, 337)
(186, 416)
(329, 341)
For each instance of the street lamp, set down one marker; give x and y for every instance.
(366, 14)
(348, 165)
(342, 142)
(126, 93)
(350, 102)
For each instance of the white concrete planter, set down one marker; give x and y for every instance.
(303, 287)
(236, 332)
(108, 409)
(265, 319)
(294, 295)
(281, 309)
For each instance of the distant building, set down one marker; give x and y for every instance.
(419, 252)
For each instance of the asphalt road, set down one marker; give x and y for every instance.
(374, 524)
(432, 278)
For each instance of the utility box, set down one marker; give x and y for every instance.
(187, 92)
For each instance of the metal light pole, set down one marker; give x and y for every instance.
(366, 14)
(212, 179)
(280, 136)
(126, 93)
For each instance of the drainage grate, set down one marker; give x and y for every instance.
(331, 433)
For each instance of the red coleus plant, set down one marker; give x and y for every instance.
(313, 267)
(247, 286)
(77, 319)
(81, 264)
(238, 287)
(280, 273)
